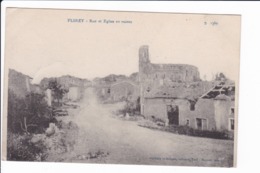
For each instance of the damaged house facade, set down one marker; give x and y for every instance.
(115, 88)
(175, 94)
(222, 99)
(21, 84)
(119, 91)
(75, 87)
(124, 90)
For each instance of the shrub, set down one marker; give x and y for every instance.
(19, 148)
(28, 115)
(186, 130)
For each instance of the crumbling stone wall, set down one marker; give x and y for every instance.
(171, 72)
(123, 91)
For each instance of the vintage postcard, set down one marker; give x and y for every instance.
(121, 87)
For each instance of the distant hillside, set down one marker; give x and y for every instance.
(112, 78)
(134, 77)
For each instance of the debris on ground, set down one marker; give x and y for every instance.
(58, 140)
(148, 123)
(51, 129)
(91, 155)
(60, 112)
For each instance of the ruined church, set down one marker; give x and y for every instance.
(175, 94)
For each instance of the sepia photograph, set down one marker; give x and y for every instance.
(114, 87)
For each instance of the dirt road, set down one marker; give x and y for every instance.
(128, 143)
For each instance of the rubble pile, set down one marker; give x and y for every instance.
(58, 140)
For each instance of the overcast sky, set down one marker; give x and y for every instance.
(42, 43)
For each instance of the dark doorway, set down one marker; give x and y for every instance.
(173, 114)
(199, 123)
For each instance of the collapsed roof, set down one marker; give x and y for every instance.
(193, 93)
(220, 92)
(180, 92)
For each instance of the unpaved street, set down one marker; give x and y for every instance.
(127, 143)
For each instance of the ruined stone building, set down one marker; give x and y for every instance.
(124, 90)
(221, 99)
(175, 94)
(114, 88)
(118, 91)
(164, 74)
(75, 86)
(21, 84)
(153, 76)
